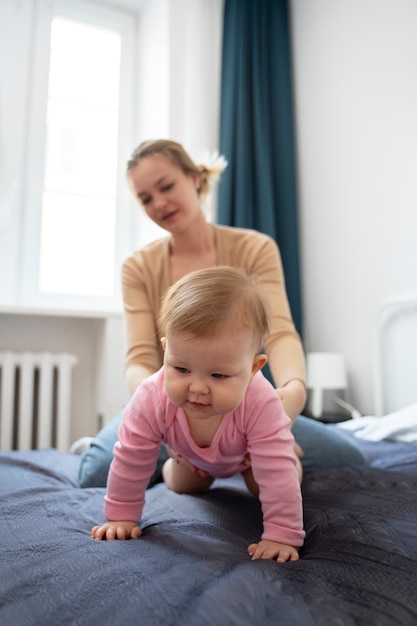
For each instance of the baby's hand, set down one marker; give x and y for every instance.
(116, 530)
(273, 550)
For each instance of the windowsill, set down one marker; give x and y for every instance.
(55, 312)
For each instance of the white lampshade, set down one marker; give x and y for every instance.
(325, 370)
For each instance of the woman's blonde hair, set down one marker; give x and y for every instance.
(178, 156)
(215, 299)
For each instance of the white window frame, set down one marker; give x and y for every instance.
(125, 24)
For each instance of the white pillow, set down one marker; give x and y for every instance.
(398, 426)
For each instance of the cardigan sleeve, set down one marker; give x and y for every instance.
(283, 345)
(260, 254)
(144, 282)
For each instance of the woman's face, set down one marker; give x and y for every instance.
(168, 195)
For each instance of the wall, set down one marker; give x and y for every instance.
(356, 114)
(99, 388)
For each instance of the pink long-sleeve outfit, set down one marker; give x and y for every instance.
(258, 426)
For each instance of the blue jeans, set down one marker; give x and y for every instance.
(323, 446)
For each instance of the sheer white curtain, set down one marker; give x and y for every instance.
(180, 66)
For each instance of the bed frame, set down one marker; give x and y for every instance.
(395, 355)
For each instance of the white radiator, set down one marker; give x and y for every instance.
(35, 400)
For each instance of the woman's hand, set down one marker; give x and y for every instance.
(293, 397)
(266, 549)
(116, 530)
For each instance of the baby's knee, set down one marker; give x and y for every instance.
(168, 473)
(181, 479)
(250, 482)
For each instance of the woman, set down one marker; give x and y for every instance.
(171, 187)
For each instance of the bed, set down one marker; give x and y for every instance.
(358, 565)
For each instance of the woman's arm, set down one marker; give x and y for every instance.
(283, 346)
(141, 300)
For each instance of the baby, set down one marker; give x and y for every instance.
(214, 409)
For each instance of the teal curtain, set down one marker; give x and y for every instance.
(258, 188)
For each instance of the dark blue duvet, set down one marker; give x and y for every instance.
(358, 565)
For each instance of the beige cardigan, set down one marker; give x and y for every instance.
(145, 279)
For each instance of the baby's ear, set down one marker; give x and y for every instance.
(163, 343)
(258, 362)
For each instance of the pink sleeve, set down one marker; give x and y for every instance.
(270, 444)
(135, 455)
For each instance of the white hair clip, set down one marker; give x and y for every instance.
(214, 162)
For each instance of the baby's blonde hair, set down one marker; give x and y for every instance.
(214, 299)
(178, 156)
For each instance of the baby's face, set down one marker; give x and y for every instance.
(208, 376)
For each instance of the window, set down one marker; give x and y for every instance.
(76, 229)
(79, 189)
